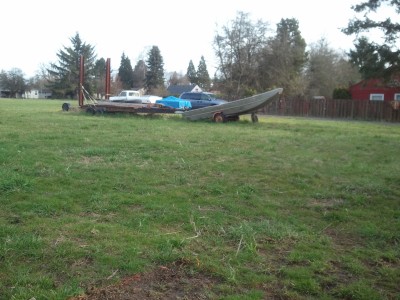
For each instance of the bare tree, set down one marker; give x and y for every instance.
(13, 81)
(176, 79)
(41, 79)
(327, 70)
(237, 47)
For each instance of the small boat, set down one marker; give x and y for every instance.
(232, 110)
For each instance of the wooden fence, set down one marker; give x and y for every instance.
(336, 109)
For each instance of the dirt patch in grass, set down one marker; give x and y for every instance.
(176, 281)
(325, 203)
(89, 160)
(342, 240)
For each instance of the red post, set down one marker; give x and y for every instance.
(81, 79)
(108, 79)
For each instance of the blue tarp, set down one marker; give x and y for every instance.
(175, 102)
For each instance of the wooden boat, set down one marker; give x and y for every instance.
(232, 110)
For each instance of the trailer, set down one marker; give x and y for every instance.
(229, 111)
(101, 107)
(119, 105)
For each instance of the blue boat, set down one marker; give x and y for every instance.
(174, 102)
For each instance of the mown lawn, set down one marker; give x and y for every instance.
(286, 208)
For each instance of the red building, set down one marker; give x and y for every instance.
(375, 90)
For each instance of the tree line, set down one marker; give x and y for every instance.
(250, 60)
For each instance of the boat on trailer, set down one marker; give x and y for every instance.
(232, 110)
(218, 113)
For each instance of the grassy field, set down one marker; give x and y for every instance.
(286, 208)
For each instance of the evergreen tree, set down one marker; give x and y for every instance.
(125, 72)
(191, 73)
(65, 73)
(203, 78)
(368, 59)
(100, 77)
(155, 70)
(283, 61)
(375, 59)
(139, 75)
(341, 93)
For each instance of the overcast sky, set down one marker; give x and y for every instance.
(32, 32)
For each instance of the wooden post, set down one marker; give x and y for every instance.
(108, 79)
(81, 80)
(352, 109)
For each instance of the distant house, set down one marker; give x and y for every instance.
(37, 94)
(29, 94)
(375, 90)
(32, 94)
(176, 90)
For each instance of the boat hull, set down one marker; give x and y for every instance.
(234, 108)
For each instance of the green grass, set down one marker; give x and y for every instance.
(290, 208)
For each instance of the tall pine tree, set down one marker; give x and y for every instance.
(100, 77)
(191, 73)
(284, 59)
(125, 72)
(155, 70)
(65, 73)
(203, 78)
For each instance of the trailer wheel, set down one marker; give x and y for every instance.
(91, 110)
(65, 107)
(219, 117)
(254, 118)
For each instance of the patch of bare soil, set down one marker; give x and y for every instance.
(326, 203)
(175, 281)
